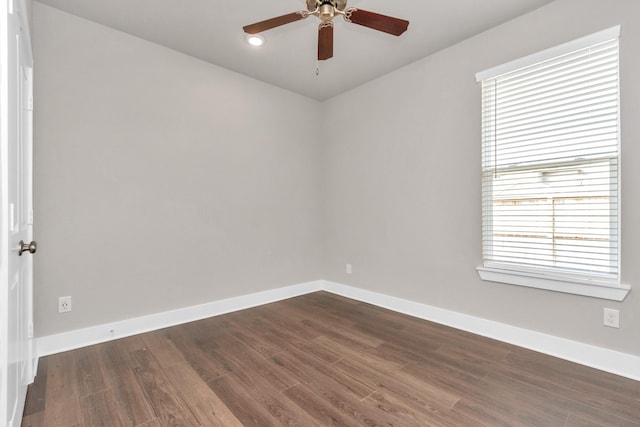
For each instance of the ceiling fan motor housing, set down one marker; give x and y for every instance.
(326, 12)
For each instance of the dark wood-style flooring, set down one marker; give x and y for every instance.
(321, 360)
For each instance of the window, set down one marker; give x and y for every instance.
(550, 163)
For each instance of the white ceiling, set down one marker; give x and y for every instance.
(212, 31)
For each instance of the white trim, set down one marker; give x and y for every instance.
(26, 30)
(563, 49)
(618, 363)
(78, 338)
(591, 288)
(623, 364)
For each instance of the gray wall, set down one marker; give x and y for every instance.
(402, 180)
(162, 181)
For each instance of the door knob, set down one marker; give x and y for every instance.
(27, 247)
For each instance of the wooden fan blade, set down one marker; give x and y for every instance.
(379, 22)
(268, 24)
(325, 42)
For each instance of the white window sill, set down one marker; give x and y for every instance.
(592, 288)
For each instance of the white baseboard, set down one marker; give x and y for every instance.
(615, 362)
(618, 363)
(78, 338)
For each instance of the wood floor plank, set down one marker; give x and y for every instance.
(133, 343)
(153, 423)
(487, 401)
(333, 400)
(259, 343)
(235, 357)
(163, 348)
(62, 376)
(264, 380)
(62, 400)
(123, 382)
(495, 416)
(565, 402)
(36, 393)
(101, 410)
(317, 372)
(321, 360)
(241, 402)
(192, 351)
(331, 318)
(89, 371)
(398, 383)
(164, 398)
(557, 369)
(33, 420)
(372, 356)
(281, 319)
(521, 401)
(620, 405)
(346, 335)
(287, 342)
(252, 320)
(598, 420)
(63, 412)
(258, 406)
(391, 336)
(437, 361)
(209, 409)
(413, 414)
(318, 409)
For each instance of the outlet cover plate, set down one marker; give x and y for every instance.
(64, 304)
(611, 318)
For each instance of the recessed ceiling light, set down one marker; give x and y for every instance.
(255, 39)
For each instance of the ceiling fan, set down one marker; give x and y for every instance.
(326, 10)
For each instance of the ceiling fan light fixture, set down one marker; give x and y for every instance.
(254, 39)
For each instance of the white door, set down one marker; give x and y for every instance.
(16, 264)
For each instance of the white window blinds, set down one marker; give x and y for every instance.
(550, 137)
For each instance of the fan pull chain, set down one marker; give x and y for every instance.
(317, 67)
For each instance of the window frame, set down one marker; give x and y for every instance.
(579, 284)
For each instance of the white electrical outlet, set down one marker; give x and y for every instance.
(348, 269)
(611, 318)
(64, 304)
